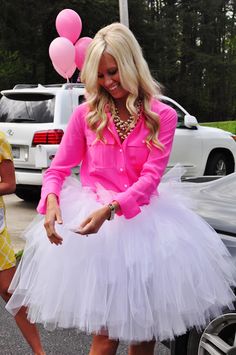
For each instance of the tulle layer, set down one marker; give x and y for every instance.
(153, 276)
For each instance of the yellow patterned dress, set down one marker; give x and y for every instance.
(7, 255)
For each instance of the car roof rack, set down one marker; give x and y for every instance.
(52, 85)
(73, 85)
(25, 86)
(65, 86)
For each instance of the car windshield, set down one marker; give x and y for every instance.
(27, 108)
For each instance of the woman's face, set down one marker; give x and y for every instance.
(108, 77)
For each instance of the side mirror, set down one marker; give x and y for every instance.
(190, 121)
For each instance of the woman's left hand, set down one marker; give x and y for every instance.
(93, 223)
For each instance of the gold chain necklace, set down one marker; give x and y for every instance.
(124, 128)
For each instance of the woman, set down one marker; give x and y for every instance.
(150, 268)
(7, 255)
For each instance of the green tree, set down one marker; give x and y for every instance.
(190, 45)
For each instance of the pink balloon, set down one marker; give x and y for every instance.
(62, 54)
(69, 24)
(80, 50)
(66, 75)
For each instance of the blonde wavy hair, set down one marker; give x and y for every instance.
(135, 77)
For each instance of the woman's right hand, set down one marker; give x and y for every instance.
(53, 214)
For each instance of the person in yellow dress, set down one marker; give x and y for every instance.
(7, 255)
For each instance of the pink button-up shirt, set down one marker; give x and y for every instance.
(130, 169)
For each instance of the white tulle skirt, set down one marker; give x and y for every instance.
(153, 276)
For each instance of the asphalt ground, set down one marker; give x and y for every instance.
(57, 342)
(19, 214)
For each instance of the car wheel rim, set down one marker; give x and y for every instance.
(219, 337)
(221, 168)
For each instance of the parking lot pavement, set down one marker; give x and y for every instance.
(19, 215)
(58, 342)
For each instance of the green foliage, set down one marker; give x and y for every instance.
(12, 66)
(196, 56)
(18, 255)
(229, 126)
(190, 45)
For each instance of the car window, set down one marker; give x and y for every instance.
(81, 99)
(180, 113)
(27, 108)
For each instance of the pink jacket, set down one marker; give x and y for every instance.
(130, 169)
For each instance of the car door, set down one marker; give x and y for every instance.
(187, 146)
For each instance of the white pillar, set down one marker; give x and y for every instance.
(124, 12)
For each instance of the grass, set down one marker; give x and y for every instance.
(226, 125)
(18, 255)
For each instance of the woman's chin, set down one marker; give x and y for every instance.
(119, 94)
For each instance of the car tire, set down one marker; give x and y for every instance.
(219, 164)
(28, 193)
(186, 344)
(219, 333)
(179, 345)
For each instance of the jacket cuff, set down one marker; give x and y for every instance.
(128, 205)
(41, 208)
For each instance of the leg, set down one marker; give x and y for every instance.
(102, 345)
(28, 329)
(144, 348)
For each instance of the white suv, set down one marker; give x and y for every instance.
(34, 118)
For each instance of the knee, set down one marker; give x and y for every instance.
(5, 294)
(108, 347)
(102, 345)
(146, 347)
